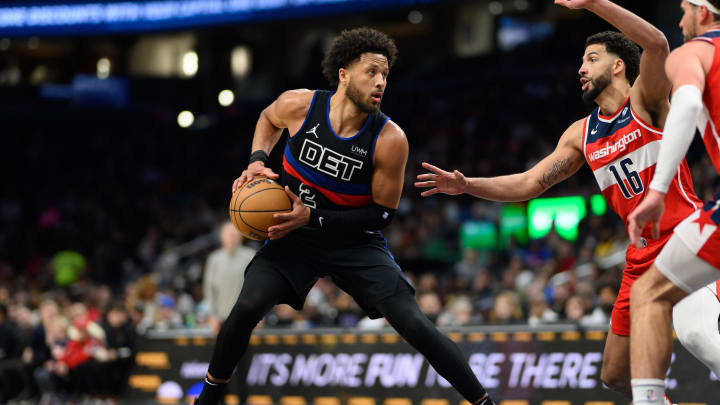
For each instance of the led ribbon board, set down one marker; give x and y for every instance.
(105, 17)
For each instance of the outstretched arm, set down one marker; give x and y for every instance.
(685, 70)
(565, 160)
(652, 85)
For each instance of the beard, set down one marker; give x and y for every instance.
(356, 96)
(598, 85)
(690, 33)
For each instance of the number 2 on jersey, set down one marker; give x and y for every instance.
(632, 177)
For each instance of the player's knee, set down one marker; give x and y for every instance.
(614, 380)
(248, 310)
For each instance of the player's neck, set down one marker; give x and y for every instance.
(714, 26)
(612, 98)
(345, 116)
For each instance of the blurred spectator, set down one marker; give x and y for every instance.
(121, 348)
(539, 312)
(459, 313)
(12, 373)
(430, 305)
(224, 274)
(507, 309)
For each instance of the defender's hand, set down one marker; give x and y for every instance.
(441, 181)
(298, 217)
(254, 169)
(574, 4)
(649, 210)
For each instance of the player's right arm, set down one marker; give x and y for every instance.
(288, 111)
(686, 68)
(566, 159)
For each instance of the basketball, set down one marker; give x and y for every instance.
(252, 207)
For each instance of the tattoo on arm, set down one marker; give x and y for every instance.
(559, 167)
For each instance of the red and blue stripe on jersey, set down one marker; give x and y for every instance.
(622, 151)
(338, 192)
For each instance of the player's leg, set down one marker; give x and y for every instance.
(652, 299)
(372, 277)
(696, 323)
(263, 288)
(615, 372)
(403, 314)
(677, 271)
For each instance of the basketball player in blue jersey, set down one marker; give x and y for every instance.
(343, 168)
(620, 137)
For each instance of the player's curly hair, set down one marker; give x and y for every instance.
(350, 44)
(620, 45)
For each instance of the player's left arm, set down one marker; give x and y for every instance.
(652, 87)
(391, 153)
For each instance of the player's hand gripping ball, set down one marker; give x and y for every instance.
(253, 205)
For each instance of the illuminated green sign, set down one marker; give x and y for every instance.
(598, 205)
(513, 224)
(565, 212)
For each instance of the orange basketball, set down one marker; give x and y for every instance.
(252, 207)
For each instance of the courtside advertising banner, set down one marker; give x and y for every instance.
(382, 369)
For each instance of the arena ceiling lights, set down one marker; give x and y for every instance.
(108, 17)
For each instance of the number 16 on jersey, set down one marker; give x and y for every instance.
(626, 176)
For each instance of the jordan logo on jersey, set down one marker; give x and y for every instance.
(328, 161)
(312, 131)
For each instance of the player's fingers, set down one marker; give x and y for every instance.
(283, 217)
(432, 168)
(271, 174)
(424, 184)
(278, 228)
(240, 181)
(429, 192)
(427, 176)
(292, 195)
(278, 235)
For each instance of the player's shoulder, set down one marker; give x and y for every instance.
(295, 102)
(575, 130)
(573, 135)
(689, 53)
(391, 140)
(391, 133)
(693, 48)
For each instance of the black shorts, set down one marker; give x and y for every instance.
(364, 269)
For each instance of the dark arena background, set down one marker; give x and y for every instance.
(125, 123)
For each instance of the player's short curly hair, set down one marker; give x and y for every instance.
(620, 45)
(350, 44)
